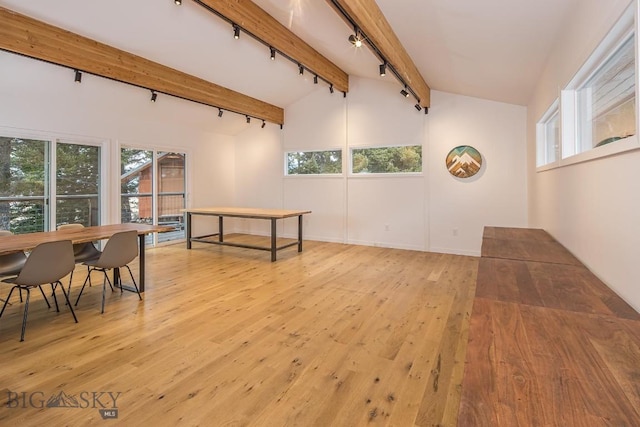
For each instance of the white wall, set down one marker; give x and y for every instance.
(247, 169)
(40, 98)
(496, 196)
(591, 208)
(410, 212)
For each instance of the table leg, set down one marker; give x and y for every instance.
(141, 259)
(299, 233)
(220, 229)
(188, 230)
(273, 239)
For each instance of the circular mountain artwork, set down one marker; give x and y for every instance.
(464, 161)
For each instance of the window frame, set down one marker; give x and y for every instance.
(542, 142)
(52, 140)
(570, 152)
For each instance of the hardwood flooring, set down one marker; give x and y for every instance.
(336, 335)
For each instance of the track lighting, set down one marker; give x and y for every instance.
(404, 92)
(236, 32)
(154, 96)
(383, 69)
(331, 88)
(300, 69)
(273, 54)
(78, 78)
(178, 2)
(248, 119)
(418, 107)
(263, 124)
(219, 112)
(355, 40)
(315, 79)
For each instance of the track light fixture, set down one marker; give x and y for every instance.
(273, 54)
(248, 119)
(404, 92)
(236, 32)
(78, 78)
(418, 107)
(220, 112)
(263, 124)
(154, 96)
(315, 79)
(383, 69)
(355, 40)
(331, 88)
(178, 2)
(300, 69)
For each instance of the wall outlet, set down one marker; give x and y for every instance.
(454, 232)
(386, 227)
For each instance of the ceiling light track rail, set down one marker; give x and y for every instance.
(237, 29)
(386, 65)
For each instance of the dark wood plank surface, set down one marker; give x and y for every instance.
(514, 233)
(549, 343)
(528, 250)
(536, 366)
(561, 286)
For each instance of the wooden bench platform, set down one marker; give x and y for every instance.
(549, 343)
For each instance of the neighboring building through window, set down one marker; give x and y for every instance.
(398, 159)
(153, 191)
(314, 162)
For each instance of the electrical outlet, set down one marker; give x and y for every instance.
(386, 227)
(455, 232)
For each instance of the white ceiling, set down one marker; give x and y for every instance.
(492, 49)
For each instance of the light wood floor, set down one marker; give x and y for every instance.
(335, 335)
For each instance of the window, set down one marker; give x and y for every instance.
(548, 136)
(77, 184)
(599, 105)
(398, 159)
(23, 184)
(314, 162)
(32, 199)
(153, 190)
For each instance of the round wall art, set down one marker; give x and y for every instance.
(464, 161)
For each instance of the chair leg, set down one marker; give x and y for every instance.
(43, 295)
(70, 280)
(26, 311)
(53, 292)
(88, 274)
(83, 285)
(104, 290)
(7, 300)
(66, 297)
(134, 283)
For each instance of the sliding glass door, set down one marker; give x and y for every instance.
(152, 190)
(33, 197)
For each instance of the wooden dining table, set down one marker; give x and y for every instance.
(28, 241)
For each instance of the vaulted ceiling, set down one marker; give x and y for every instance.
(494, 49)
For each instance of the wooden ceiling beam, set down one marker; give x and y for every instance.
(368, 17)
(255, 21)
(29, 37)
